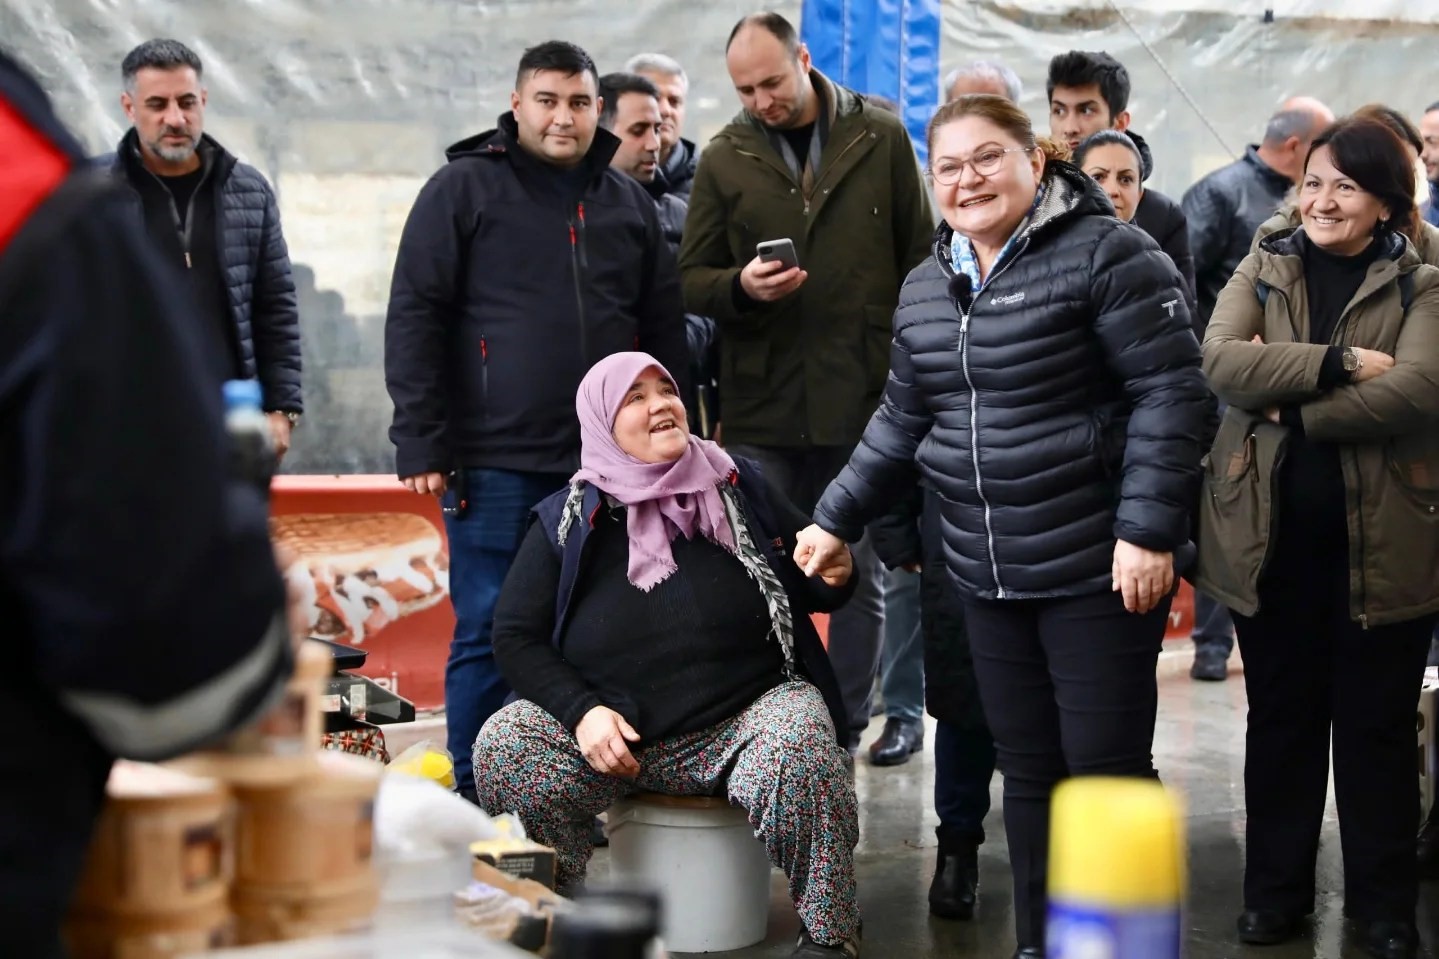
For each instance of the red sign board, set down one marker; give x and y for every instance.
(374, 571)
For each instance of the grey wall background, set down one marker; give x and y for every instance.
(347, 106)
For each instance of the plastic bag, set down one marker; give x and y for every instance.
(426, 759)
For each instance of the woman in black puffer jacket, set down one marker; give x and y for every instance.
(1045, 381)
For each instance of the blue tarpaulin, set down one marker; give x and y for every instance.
(884, 47)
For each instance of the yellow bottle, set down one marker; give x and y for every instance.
(1116, 870)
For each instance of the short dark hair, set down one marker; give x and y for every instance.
(774, 24)
(1368, 152)
(560, 56)
(159, 54)
(1108, 138)
(1432, 107)
(1079, 68)
(615, 85)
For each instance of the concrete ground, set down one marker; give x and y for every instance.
(1199, 748)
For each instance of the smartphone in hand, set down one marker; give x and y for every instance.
(777, 251)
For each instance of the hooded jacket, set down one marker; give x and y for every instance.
(1386, 428)
(513, 277)
(1058, 410)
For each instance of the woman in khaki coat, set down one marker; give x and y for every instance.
(1426, 235)
(1320, 529)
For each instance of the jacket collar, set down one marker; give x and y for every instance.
(679, 169)
(1282, 261)
(839, 104)
(1278, 180)
(504, 141)
(214, 158)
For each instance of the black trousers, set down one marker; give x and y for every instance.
(1069, 690)
(1311, 674)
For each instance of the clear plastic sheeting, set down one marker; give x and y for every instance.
(1419, 11)
(347, 106)
(1205, 83)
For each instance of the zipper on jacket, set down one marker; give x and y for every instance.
(579, 263)
(184, 228)
(974, 413)
(1357, 553)
(485, 375)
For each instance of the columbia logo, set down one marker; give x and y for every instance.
(1006, 300)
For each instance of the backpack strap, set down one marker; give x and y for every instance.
(1261, 290)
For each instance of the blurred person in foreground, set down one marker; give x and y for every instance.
(141, 615)
(525, 259)
(1045, 380)
(1320, 530)
(660, 637)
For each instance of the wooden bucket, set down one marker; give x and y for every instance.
(314, 839)
(161, 847)
(149, 937)
(270, 915)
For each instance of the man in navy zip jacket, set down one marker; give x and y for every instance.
(524, 261)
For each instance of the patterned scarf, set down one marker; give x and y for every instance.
(747, 551)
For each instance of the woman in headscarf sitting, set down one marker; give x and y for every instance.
(659, 639)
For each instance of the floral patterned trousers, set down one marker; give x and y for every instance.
(778, 760)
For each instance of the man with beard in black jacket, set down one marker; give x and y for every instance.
(678, 157)
(1089, 92)
(142, 600)
(525, 260)
(216, 219)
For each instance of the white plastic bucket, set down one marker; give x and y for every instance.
(702, 856)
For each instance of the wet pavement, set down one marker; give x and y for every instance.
(1199, 748)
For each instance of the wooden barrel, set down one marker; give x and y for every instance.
(161, 847)
(277, 915)
(160, 936)
(314, 838)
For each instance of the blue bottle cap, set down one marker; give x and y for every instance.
(242, 394)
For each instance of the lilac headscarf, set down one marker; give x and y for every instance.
(663, 499)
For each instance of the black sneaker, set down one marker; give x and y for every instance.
(1210, 665)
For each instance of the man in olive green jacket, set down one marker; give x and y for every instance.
(805, 349)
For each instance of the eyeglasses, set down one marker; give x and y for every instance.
(985, 164)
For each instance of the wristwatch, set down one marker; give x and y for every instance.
(1353, 362)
